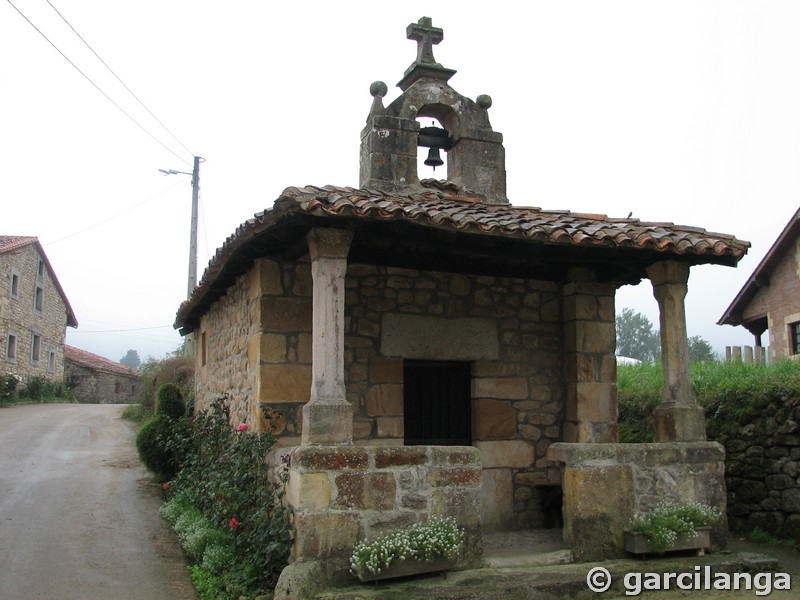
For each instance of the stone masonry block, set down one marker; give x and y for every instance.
(390, 427)
(401, 456)
(453, 476)
(269, 276)
(497, 491)
(455, 455)
(272, 347)
(280, 314)
(285, 383)
(329, 534)
(385, 400)
(308, 491)
(366, 491)
(505, 388)
(514, 454)
(493, 420)
(329, 458)
(386, 370)
(596, 402)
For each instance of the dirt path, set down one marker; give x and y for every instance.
(78, 513)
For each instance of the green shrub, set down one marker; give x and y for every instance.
(154, 447)
(225, 476)
(732, 394)
(169, 402)
(208, 585)
(39, 388)
(8, 388)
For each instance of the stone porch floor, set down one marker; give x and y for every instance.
(525, 548)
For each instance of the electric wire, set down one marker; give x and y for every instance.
(174, 137)
(114, 216)
(135, 122)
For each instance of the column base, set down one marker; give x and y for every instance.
(675, 422)
(327, 424)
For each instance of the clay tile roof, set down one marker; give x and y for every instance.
(559, 227)
(9, 243)
(734, 314)
(96, 362)
(441, 206)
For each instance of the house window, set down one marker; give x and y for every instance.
(117, 388)
(40, 269)
(203, 349)
(38, 299)
(36, 348)
(794, 336)
(11, 348)
(15, 284)
(436, 403)
(51, 362)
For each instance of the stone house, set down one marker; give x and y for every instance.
(770, 298)
(34, 311)
(95, 379)
(423, 347)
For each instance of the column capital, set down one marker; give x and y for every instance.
(668, 271)
(326, 242)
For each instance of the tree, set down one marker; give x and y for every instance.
(636, 337)
(700, 350)
(131, 359)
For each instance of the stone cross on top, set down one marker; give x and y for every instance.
(426, 36)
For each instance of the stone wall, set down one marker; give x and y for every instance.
(18, 317)
(606, 485)
(224, 361)
(763, 468)
(342, 495)
(510, 332)
(257, 349)
(96, 387)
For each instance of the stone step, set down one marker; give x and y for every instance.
(539, 559)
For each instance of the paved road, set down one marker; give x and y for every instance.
(78, 512)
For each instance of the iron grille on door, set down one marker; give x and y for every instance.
(436, 403)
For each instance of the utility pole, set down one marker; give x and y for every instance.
(188, 345)
(192, 283)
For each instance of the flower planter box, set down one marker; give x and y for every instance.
(408, 567)
(636, 542)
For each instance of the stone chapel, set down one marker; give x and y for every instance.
(423, 347)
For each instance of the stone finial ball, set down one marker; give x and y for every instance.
(484, 101)
(378, 88)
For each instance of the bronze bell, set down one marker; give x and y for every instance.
(434, 160)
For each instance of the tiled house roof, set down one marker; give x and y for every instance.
(9, 243)
(733, 315)
(97, 363)
(441, 228)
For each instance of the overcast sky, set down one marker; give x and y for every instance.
(676, 111)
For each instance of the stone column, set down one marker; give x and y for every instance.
(678, 418)
(591, 375)
(328, 416)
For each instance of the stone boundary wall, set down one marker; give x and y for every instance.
(341, 495)
(606, 485)
(763, 476)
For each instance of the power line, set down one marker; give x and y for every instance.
(118, 79)
(140, 126)
(114, 216)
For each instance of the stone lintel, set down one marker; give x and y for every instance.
(651, 454)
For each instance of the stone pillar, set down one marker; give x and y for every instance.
(328, 416)
(591, 371)
(678, 418)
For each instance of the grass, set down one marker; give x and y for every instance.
(732, 394)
